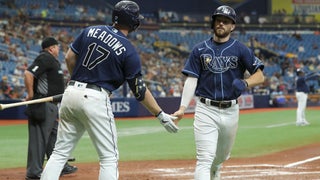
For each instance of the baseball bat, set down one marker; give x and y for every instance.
(56, 98)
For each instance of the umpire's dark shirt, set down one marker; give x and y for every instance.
(48, 75)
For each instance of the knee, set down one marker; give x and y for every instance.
(108, 159)
(206, 159)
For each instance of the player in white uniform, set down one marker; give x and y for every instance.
(100, 60)
(302, 90)
(215, 74)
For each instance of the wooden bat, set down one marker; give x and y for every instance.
(56, 98)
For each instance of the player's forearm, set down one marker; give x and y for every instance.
(311, 76)
(150, 103)
(188, 92)
(255, 79)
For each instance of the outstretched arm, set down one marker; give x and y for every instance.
(187, 95)
(150, 103)
(311, 76)
(143, 94)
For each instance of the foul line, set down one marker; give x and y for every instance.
(302, 162)
(279, 125)
(270, 174)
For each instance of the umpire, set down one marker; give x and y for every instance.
(43, 78)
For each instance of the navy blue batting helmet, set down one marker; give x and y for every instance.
(299, 71)
(225, 11)
(127, 13)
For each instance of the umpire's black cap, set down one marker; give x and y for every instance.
(48, 41)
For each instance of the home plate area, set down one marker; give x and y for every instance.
(242, 172)
(295, 164)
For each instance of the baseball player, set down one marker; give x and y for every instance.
(215, 74)
(302, 90)
(100, 60)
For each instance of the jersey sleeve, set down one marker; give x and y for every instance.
(192, 65)
(132, 65)
(76, 44)
(251, 62)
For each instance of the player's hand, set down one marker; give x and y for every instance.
(239, 85)
(167, 122)
(179, 114)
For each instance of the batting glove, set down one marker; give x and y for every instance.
(239, 85)
(167, 122)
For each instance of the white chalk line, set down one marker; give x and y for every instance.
(254, 165)
(268, 126)
(302, 162)
(132, 131)
(175, 172)
(270, 174)
(267, 170)
(280, 125)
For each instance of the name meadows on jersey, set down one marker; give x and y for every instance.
(107, 39)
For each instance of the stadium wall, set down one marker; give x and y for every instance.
(129, 107)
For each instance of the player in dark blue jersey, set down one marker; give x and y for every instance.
(215, 74)
(100, 60)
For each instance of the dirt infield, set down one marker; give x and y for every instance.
(301, 163)
(296, 164)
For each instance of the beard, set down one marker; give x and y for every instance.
(221, 33)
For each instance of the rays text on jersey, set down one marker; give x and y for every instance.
(218, 64)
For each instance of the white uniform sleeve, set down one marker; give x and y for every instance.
(188, 91)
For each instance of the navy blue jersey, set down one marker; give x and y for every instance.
(106, 58)
(216, 65)
(301, 81)
(302, 85)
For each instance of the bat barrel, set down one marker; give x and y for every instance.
(56, 98)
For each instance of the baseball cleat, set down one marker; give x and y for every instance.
(71, 159)
(68, 169)
(302, 123)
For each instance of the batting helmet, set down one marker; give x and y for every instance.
(225, 11)
(126, 13)
(299, 70)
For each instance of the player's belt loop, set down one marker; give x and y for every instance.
(89, 86)
(207, 101)
(220, 104)
(86, 85)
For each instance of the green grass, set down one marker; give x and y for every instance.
(268, 132)
(258, 134)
